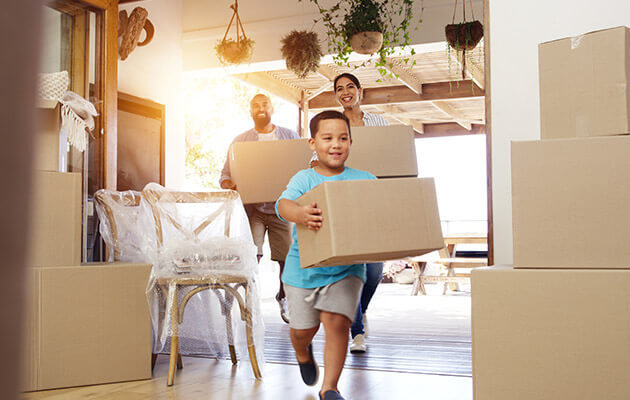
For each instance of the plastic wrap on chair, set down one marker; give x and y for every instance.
(204, 285)
(125, 227)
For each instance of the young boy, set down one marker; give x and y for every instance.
(329, 295)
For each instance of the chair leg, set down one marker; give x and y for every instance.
(174, 315)
(153, 360)
(227, 312)
(251, 347)
(180, 364)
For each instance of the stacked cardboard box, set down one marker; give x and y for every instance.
(86, 324)
(261, 170)
(557, 325)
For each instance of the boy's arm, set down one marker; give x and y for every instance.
(309, 215)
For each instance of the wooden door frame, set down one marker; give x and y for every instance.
(488, 111)
(106, 82)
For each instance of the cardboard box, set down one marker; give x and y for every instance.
(550, 334)
(55, 232)
(371, 220)
(584, 85)
(570, 202)
(87, 325)
(385, 151)
(261, 170)
(46, 139)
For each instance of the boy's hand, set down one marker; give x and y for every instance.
(311, 216)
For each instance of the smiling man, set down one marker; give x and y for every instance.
(262, 216)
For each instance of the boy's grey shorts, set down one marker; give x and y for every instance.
(341, 297)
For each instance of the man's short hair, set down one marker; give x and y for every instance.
(328, 114)
(258, 95)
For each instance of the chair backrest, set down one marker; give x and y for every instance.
(163, 204)
(118, 211)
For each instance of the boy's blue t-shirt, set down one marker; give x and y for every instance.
(293, 274)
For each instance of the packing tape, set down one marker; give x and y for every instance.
(576, 41)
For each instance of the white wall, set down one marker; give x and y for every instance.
(155, 71)
(516, 28)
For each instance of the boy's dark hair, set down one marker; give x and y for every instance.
(328, 114)
(353, 78)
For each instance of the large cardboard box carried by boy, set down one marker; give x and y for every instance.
(371, 220)
(550, 334)
(87, 325)
(570, 203)
(585, 85)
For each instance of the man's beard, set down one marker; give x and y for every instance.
(261, 122)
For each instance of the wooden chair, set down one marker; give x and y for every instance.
(181, 289)
(112, 207)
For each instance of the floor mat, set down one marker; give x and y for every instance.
(418, 334)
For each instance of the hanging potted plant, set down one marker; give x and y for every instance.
(230, 51)
(375, 27)
(463, 36)
(302, 52)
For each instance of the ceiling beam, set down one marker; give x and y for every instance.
(449, 111)
(450, 129)
(270, 83)
(396, 112)
(402, 94)
(328, 72)
(404, 75)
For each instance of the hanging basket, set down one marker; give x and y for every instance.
(366, 42)
(234, 52)
(237, 51)
(464, 36)
(301, 52)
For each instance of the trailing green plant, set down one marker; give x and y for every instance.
(302, 52)
(462, 37)
(393, 18)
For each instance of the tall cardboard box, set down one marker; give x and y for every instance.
(55, 230)
(550, 334)
(261, 170)
(570, 202)
(87, 325)
(46, 139)
(371, 220)
(584, 85)
(385, 151)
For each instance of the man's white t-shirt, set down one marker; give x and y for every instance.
(268, 136)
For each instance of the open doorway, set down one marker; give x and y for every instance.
(431, 331)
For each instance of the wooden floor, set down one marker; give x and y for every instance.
(219, 380)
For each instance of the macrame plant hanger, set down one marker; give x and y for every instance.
(464, 30)
(239, 25)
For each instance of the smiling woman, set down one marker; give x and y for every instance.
(217, 109)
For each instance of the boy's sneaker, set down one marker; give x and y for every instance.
(284, 308)
(358, 344)
(309, 370)
(331, 395)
